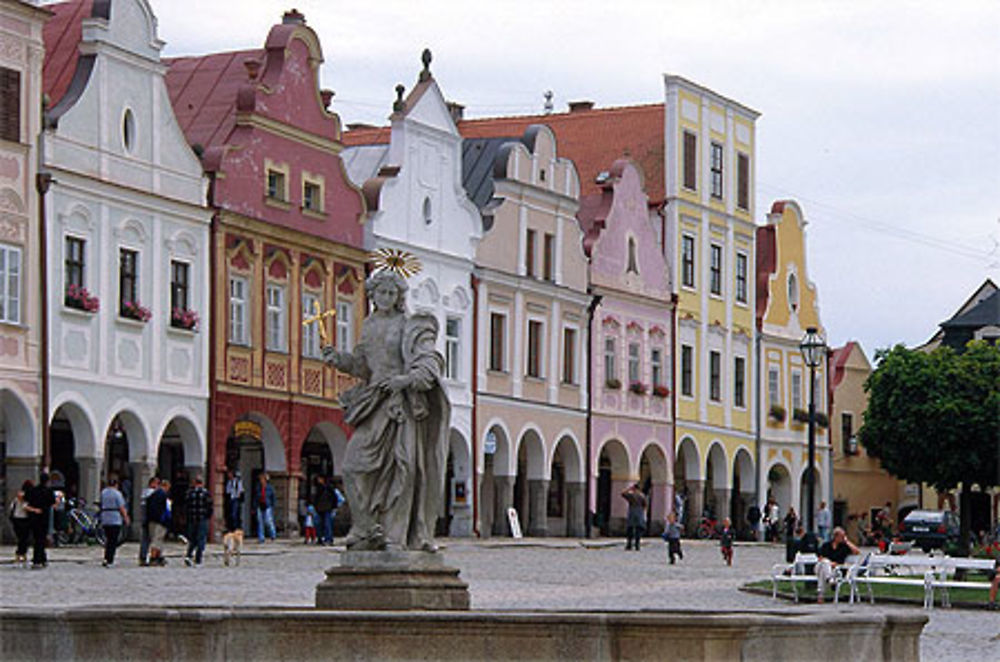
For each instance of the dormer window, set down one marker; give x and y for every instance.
(276, 183)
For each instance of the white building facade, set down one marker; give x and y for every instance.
(127, 239)
(416, 203)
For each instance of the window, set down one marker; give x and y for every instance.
(569, 356)
(687, 370)
(796, 390)
(687, 260)
(312, 197)
(773, 396)
(610, 359)
(741, 277)
(690, 161)
(739, 382)
(276, 185)
(529, 254)
(534, 349)
(498, 326)
(714, 376)
(74, 261)
(715, 270)
(549, 257)
(10, 284)
(656, 365)
(793, 292)
(633, 263)
(238, 326)
(310, 332)
(847, 434)
(345, 325)
(428, 216)
(276, 318)
(128, 130)
(716, 170)
(10, 105)
(180, 278)
(743, 181)
(128, 278)
(452, 347)
(634, 374)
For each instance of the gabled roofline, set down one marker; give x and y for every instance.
(680, 81)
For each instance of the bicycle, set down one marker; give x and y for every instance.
(82, 526)
(708, 528)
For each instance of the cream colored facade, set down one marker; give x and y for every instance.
(786, 308)
(532, 317)
(21, 55)
(709, 242)
(859, 482)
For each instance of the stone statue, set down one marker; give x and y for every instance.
(394, 468)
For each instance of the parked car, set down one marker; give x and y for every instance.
(930, 529)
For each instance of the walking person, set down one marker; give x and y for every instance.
(791, 523)
(40, 499)
(20, 518)
(265, 509)
(234, 500)
(198, 509)
(753, 519)
(309, 525)
(726, 540)
(635, 522)
(326, 505)
(113, 517)
(824, 520)
(771, 518)
(157, 514)
(151, 486)
(672, 535)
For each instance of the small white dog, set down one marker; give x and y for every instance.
(232, 546)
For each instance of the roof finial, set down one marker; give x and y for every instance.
(425, 57)
(399, 105)
(548, 102)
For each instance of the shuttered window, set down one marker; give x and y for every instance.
(10, 104)
(743, 181)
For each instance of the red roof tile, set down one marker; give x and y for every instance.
(203, 93)
(367, 136)
(62, 34)
(767, 263)
(593, 139)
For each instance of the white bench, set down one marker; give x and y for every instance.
(795, 572)
(943, 583)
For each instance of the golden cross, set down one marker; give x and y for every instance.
(318, 316)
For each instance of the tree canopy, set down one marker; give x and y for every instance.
(934, 417)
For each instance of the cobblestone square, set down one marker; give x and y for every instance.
(546, 574)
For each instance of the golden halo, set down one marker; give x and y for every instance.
(404, 263)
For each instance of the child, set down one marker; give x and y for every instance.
(309, 526)
(673, 537)
(726, 540)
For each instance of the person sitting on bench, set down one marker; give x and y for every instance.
(832, 554)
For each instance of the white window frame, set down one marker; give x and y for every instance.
(10, 284)
(656, 366)
(610, 358)
(685, 238)
(634, 363)
(741, 276)
(310, 332)
(796, 390)
(570, 370)
(740, 377)
(715, 270)
(541, 348)
(687, 352)
(452, 348)
(715, 381)
(238, 310)
(277, 318)
(773, 387)
(502, 363)
(344, 319)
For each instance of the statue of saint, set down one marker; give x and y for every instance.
(394, 468)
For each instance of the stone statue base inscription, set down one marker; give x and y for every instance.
(392, 580)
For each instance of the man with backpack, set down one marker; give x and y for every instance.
(328, 499)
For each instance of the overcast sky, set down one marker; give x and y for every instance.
(881, 118)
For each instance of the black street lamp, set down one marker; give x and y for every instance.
(813, 349)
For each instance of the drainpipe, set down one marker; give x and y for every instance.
(674, 298)
(595, 301)
(756, 424)
(43, 180)
(474, 283)
(215, 328)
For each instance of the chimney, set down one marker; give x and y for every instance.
(456, 110)
(293, 17)
(580, 106)
(252, 67)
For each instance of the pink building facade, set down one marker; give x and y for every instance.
(631, 357)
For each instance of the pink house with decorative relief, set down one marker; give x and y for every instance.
(631, 357)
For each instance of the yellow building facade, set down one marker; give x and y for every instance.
(709, 241)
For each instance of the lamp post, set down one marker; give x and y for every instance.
(813, 349)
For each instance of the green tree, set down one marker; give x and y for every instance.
(934, 417)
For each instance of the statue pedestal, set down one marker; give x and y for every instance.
(392, 580)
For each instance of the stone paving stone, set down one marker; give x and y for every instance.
(550, 574)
